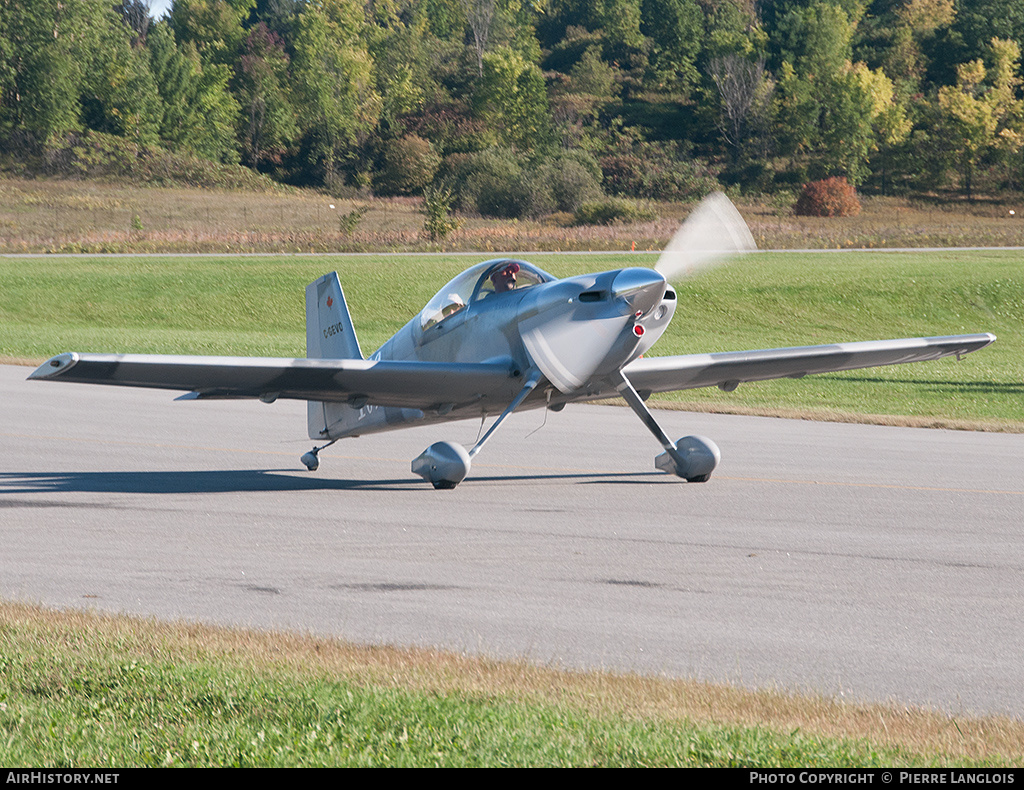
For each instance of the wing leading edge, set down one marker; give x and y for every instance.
(729, 369)
(433, 385)
(415, 385)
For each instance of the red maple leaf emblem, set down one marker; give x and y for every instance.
(330, 301)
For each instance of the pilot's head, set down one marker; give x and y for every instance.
(505, 279)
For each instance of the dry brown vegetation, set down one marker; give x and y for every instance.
(91, 216)
(600, 693)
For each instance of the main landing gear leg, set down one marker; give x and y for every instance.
(446, 464)
(693, 458)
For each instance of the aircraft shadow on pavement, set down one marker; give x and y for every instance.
(252, 480)
(191, 482)
(979, 387)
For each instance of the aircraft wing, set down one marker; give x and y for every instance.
(407, 384)
(729, 369)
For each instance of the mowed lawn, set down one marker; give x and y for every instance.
(89, 690)
(254, 306)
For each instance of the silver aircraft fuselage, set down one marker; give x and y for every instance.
(577, 330)
(573, 331)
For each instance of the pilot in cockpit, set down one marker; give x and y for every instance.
(505, 279)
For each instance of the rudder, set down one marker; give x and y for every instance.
(329, 330)
(329, 335)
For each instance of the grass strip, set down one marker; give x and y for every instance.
(254, 306)
(89, 690)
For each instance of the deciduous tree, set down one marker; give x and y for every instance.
(46, 50)
(268, 119)
(745, 92)
(333, 74)
(214, 27)
(984, 112)
(512, 99)
(198, 113)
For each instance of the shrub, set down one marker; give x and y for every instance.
(408, 165)
(574, 179)
(98, 155)
(478, 178)
(611, 211)
(347, 223)
(831, 197)
(437, 203)
(498, 183)
(657, 171)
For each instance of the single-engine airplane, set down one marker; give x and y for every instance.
(505, 335)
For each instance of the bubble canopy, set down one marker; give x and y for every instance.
(490, 278)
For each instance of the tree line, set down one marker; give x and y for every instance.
(523, 107)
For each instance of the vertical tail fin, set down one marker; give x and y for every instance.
(329, 330)
(329, 335)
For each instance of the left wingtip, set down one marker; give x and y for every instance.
(55, 366)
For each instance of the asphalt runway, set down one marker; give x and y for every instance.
(859, 562)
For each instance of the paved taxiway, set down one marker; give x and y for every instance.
(862, 562)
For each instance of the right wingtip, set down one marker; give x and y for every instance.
(55, 366)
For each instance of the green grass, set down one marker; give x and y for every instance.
(209, 714)
(254, 306)
(94, 691)
(792, 299)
